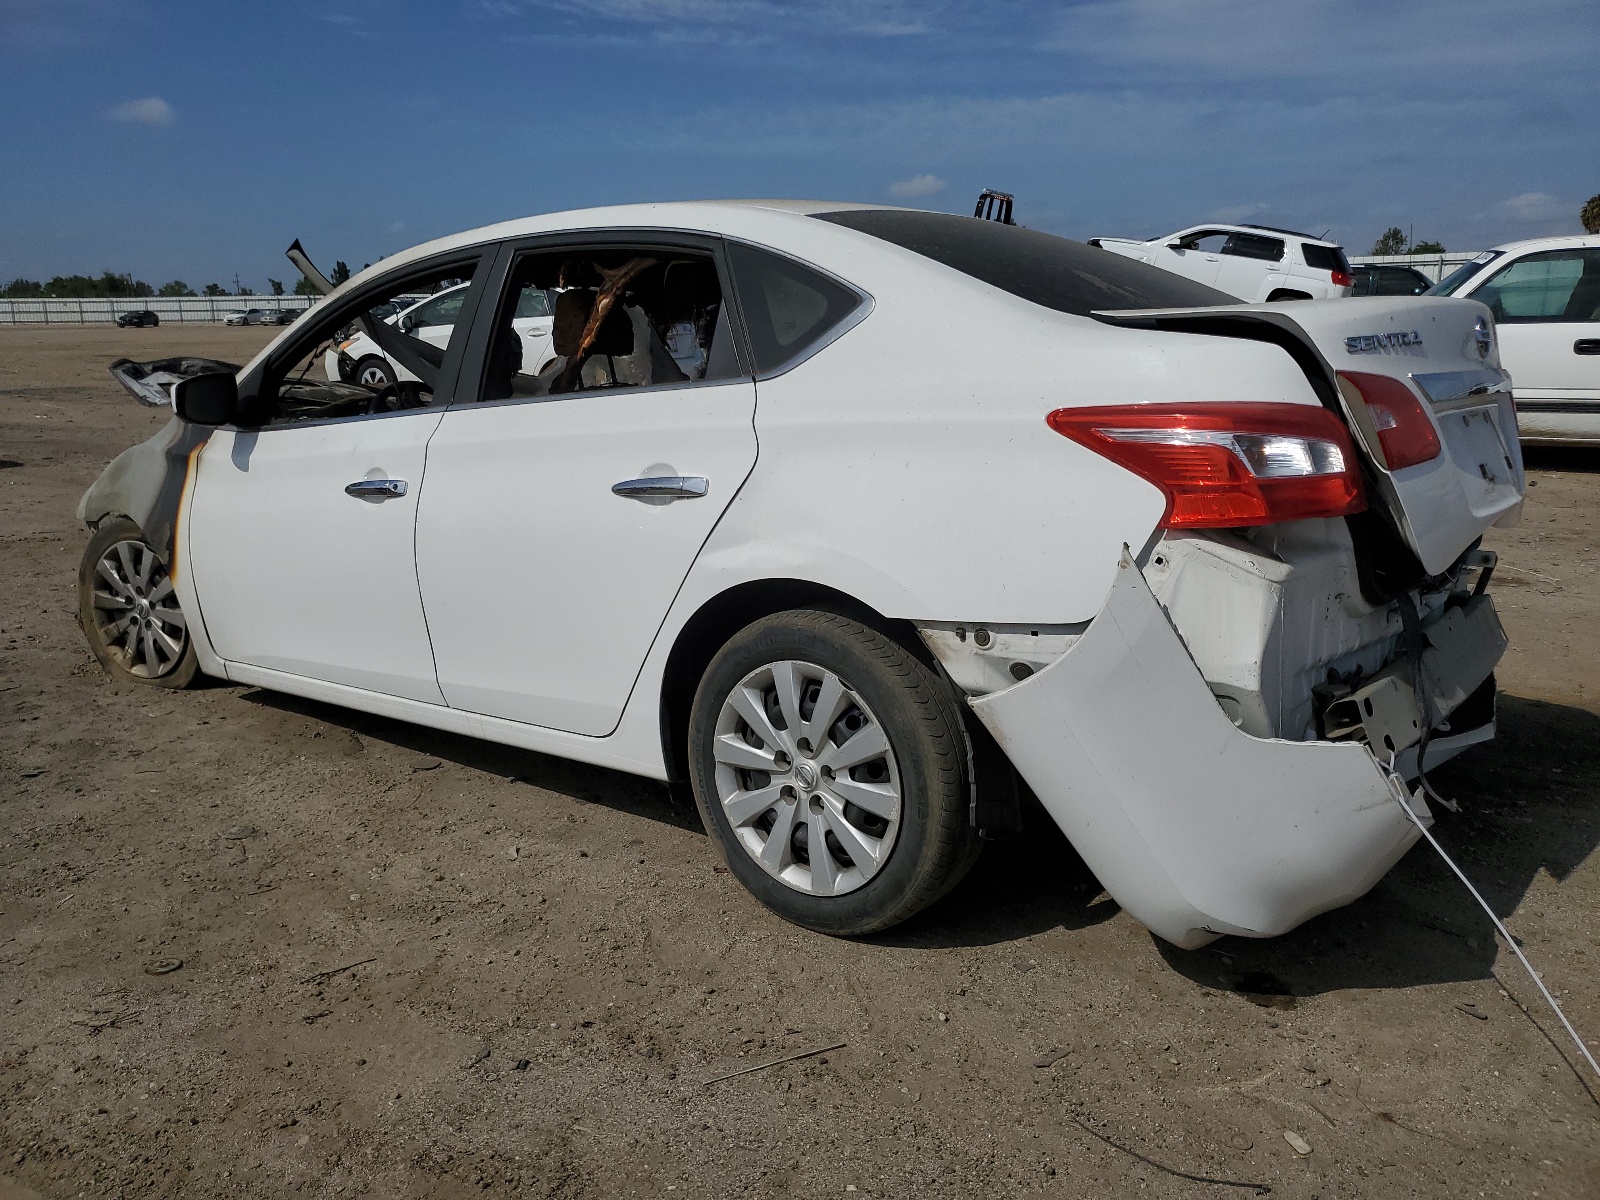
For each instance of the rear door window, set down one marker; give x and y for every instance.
(1251, 245)
(619, 317)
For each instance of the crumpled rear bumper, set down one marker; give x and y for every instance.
(1196, 828)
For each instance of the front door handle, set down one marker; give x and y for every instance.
(672, 487)
(1586, 346)
(376, 489)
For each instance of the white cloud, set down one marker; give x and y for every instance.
(917, 185)
(152, 110)
(1531, 208)
(1236, 213)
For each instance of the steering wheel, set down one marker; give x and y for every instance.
(384, 400)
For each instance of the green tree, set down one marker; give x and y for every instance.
(1426, 248)
(304, 287)
(176, 288)
(22, 289)
(215, 289)
(341, 272)
(277, 286)
(1590, 216)
(1393, 241)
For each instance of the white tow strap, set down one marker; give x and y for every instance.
(1403, 797)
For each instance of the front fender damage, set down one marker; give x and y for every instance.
(1195, 827)
(146, 484)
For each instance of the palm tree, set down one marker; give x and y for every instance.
(1591, 215)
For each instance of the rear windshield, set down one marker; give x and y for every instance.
(1051, 271)
(1325, 258)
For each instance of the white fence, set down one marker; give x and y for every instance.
(1434, 266)
(177, 309)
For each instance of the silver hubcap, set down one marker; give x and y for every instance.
(374, 377)
(807, 778)
(136, 612)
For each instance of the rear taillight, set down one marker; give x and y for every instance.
(1343, 279)
(1406, 435)
(1224, 464)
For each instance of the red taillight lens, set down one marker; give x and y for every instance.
(1405, 433)
(1224, 465)
(1343, 279)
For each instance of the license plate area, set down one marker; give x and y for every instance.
(1476, 446)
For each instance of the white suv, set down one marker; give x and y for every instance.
(1252, 262)
(1545, 297)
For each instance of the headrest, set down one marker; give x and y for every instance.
(573, 307)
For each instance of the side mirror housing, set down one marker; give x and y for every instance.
(1175, 245)
(408, 323)
(210, 399)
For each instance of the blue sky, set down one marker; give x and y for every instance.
(196, 140)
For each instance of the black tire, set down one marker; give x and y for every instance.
(919, 716)
(376, 366)
(127, 657)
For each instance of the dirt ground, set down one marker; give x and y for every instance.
(418, 965)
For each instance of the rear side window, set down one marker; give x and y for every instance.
(1252, 245)
(1048, 270)
(789, 310)
(1325, 258)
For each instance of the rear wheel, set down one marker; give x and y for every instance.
(1287, 294)
(129, 611)
(830, 765)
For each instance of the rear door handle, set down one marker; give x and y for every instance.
(1586, 346)
(672, 487)
(376, 489)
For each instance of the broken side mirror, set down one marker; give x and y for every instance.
(210, 399)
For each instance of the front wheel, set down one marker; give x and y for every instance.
(129, 611)
(830, 766)
(373, 372)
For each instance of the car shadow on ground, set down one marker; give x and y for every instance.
(631, 794)
(1530, 803)
(1021, 886)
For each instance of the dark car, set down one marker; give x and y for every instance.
(142, 317)
(282, 316)
(1385, 279)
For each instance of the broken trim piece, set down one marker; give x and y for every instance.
(1195, 827)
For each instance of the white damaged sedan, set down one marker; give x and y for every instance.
(1204, 577)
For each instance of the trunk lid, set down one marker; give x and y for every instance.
(1444, 352)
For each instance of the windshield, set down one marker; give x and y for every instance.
(1461, 274)
(1048, 270)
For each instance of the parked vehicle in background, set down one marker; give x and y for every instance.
(358, 359)
(282, 316)
(1253, 262)
(137, 319)
(244, 316)
(1544, 295)
(1383, 279)
(1210, 594)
